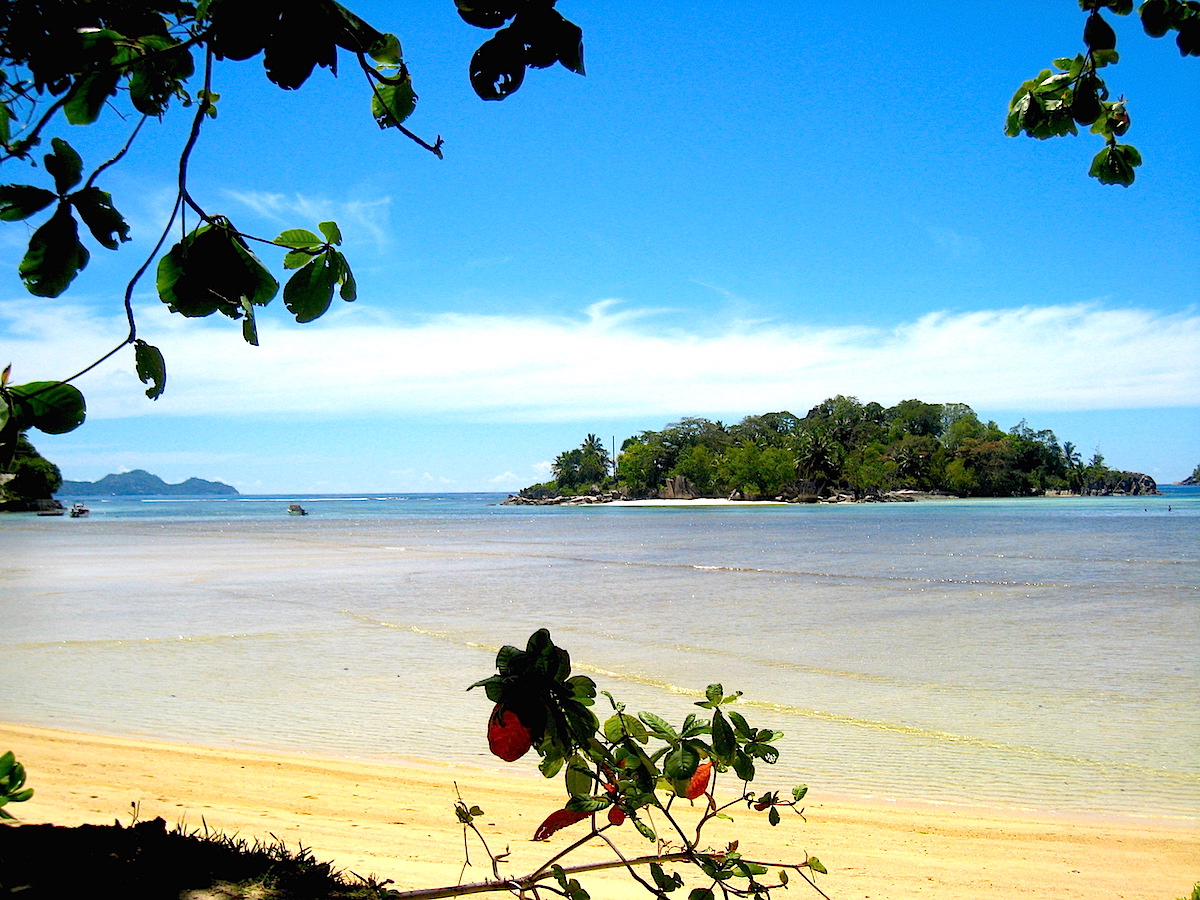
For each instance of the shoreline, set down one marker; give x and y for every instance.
(396, 820)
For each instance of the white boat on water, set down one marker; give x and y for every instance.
(78, 510)
(296, 509)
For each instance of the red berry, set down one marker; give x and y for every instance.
(507, 737)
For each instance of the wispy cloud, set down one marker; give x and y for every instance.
(362, 218)
(611, 361)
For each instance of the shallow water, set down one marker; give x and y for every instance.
(1031, 654)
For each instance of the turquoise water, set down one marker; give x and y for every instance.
(1034, 654)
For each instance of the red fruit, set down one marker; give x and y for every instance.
(699, 781)
(616, 815)
(558, 819)
(507, 737)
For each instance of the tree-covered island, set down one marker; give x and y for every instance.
(841, 449)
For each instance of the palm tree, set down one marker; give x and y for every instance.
(816, 457)
(593, 446)
(1074, 465)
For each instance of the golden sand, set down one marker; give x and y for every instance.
(397, 821)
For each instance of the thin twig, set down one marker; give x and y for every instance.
(120, 153)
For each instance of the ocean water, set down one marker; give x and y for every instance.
(1035, 654)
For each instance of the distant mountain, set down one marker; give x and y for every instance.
(139, 483)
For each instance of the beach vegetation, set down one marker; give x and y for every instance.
(843, 447)
(146, 859)
(12, 783)
(636, 774)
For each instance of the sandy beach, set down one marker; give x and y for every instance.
(397, 822)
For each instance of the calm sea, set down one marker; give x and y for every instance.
(1035, 654)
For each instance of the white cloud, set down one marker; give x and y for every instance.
(614, 362)
(362, 218)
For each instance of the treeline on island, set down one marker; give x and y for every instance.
(841, 449)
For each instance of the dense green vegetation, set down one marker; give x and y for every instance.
(33, 477)
(841, 446)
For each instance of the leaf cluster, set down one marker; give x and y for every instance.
(12, 783)
(1053, 103)
(56, 255)
(49, 406)
(532, 34)
(71, 59)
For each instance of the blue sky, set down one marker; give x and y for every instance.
(732, 213)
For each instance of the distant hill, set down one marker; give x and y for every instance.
(139, 483)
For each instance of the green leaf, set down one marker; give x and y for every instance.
(741, 725)
(104, 222)
(815, 864)
(1115, 164)
(212, 270)
(587, 804)
(579, 778)
(681, 762)
(773, 816)
(49, 406)
(723, 741)
(64, 165)
(659, 726)
(701, 894)
(20, 201)
(743, 765)
(309, 292)
(89, 94)
(644, 829)
(551, 765)
(158, 73)
(7, 761)
(665, 882)
(498, 66)
(349, 292)
(249, 326)
(55, 255)
(715, 693)
(296, 259)
(151, 368)
(799, 791)
(621, 725)
(332, 233)
(298, 239)
(387, 51)
(393, 101)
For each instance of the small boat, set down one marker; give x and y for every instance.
(78, 510)
(50, 512)
(296, 509)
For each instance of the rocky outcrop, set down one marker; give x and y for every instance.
(543, 497)
(1116, 484)
(678, 488)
